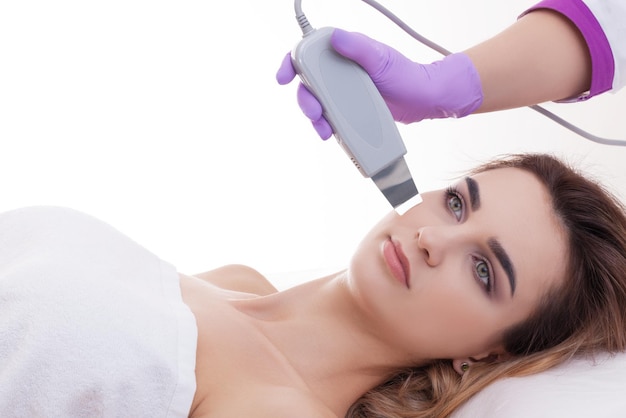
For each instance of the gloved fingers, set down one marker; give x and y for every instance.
(312, 109)
(286, 73)
(370, 54)
(310, 106)
(323, 128)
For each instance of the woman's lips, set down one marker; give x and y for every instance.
(396, 261)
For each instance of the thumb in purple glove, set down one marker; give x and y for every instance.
(309, 105)
(447, 88)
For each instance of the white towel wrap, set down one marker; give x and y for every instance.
(91, 324)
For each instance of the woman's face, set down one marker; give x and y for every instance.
(449, 276)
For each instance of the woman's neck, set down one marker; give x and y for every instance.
(326, 338)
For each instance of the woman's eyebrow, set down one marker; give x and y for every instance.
(505, 261)
(474, 193)
(494, 244)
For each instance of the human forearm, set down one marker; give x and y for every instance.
(542, 57)
(559, 50)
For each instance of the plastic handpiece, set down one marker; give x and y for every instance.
(360, 118)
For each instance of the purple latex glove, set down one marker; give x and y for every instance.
(447, 88)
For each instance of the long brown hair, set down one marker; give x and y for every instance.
(585, 315)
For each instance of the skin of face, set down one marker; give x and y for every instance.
(457, 298)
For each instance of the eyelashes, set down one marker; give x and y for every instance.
(481, 267)
(483, 273)
(454, 202)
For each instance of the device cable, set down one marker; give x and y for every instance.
(301, 18)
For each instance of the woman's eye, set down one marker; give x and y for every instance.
(483, 273)
(455, 203)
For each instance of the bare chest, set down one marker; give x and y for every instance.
(238, 371)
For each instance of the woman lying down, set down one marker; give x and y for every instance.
(514, 269)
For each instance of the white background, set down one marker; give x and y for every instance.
(164, 119)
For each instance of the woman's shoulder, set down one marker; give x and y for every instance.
(239, 278)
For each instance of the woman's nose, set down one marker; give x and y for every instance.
(434, 241)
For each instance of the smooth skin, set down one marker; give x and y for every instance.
(312, 350)
(541, 57)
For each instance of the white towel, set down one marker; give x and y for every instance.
(91, 324)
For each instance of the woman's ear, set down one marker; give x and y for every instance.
(461, 366)
(489, 358)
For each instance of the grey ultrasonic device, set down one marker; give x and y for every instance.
(361, 121)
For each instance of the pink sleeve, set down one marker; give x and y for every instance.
(602, 64)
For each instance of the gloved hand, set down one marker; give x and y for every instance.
(446, 88)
